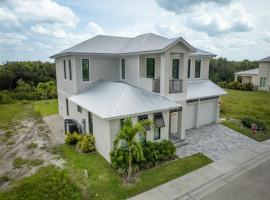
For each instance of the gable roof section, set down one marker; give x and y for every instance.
(202, 89)
(200, 52)
(251, 72)
(102, 44)
(108, 100)
(267, 59)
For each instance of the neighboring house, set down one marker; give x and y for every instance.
(264, 74)
(248, 76)
(106, 79)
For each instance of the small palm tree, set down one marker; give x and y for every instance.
(46, 89)
(128, 134)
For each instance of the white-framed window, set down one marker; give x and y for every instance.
(85, 69)
(79, 109)
(156, 133)
(262, 81)
(123, 68)
(175, 68)
(197, 68)
(64, 69)
(70, 69)
(150, 67)
(67, 107)
(189, 68)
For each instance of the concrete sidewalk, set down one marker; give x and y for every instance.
(205, 180)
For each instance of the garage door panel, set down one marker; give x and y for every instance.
(208, 112)
(190, 119)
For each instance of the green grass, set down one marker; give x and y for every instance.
(104, 183)
(19, 162)
(239, 104)
(45, 109)
(48, 183)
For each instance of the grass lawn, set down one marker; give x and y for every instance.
(44, 109)
(104, 183)
(239, 104)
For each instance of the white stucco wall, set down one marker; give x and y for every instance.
(264, 71)
(204, 67)
(132, 70)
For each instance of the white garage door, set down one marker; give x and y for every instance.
(208, 112)
(190, 119)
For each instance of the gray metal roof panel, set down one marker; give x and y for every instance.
(267, 59)
(108, 99)
(250, 72)
(203, 88)
(201, 52)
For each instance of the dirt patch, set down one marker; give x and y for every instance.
(31, 142)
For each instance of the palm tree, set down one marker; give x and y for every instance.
(128, 134)
(46, 89)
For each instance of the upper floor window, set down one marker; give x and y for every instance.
(65, 70)
(175, 68)
(150, 67)
(70, 69)
(79, 109)
(262, 81)
(85, 70)
(189, 66)
(197, 68)
(123, 68)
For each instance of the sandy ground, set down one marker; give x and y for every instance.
(27, 132)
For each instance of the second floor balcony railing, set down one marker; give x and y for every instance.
(176, 86)
(156, 85)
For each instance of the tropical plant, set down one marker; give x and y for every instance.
(46, 89)
(86, 143)
(128, 135)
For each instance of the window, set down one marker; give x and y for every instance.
(123, 67)
(150, 67)
(83, 126)
(262, 81)
(85, 70)
(189, 65)
(121, 122)
(123, 143)
(156, 133)
(158, 120)
(197, 68)
(90, 123)
(67, 108)
(141, 138)
(144, 117)
(70, 69)
(65, 70)
(175, 68)
(79, 109)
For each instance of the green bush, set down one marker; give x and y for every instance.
(247, 122)
(72, 138)
(237, 86)
(5, 97)
(86, 143)
(154, 153)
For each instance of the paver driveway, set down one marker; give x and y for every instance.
(213, 140)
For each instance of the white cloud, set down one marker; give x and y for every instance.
(7, 18)
(95, 29)
(11, 41)
(49, 30)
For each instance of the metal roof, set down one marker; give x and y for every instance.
(149, 42)
(250, 72)
(201, 52)
(203, 88)
(267, 59)
(108, 100)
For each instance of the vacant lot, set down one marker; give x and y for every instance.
(239, 104)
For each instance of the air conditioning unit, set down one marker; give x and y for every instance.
(72, 126)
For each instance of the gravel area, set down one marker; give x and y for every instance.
(215, 141)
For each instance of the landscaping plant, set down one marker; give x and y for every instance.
(128, 134)
(86, 143)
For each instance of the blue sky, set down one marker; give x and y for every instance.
(36, 29)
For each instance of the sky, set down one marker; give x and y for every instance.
(37, 29)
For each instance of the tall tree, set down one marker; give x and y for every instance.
(46, 89)
(128, 134)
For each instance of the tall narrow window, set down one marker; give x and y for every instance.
(85, 70)
(123, 68)
(189, 65)
(175, 68)
(90, 122)
(150, 68)
(197, 68)
(83, 126)
(67, 108)
(79, 109)
(262, 81)
(156, 133)
(70, 69)
(64, 68)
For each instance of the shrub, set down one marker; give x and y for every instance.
(247, 86)
(72, 138)
(154, 153)
(86, 143)
(247, 122)
(5, 98)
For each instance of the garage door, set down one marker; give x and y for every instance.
(190, 119)
(208, 112)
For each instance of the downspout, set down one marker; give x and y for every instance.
(268, 85)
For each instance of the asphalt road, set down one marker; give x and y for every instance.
(253, 185)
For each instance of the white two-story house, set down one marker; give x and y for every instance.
(106, 79)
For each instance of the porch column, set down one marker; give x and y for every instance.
(180, 124)
(197, 114)
(164, 73)
(235, 77)
(218, 110)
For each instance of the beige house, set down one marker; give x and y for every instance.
(106, 79)
(259, 77)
